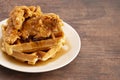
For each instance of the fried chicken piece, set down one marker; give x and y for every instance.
(20, 13)
(16, 20)
(41, 26)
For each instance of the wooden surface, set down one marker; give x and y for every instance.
(98, 25)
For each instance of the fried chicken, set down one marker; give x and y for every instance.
(30, 22)
(42, 26)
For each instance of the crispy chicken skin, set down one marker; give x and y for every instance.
(42, 26)
(25, 22)
(20, 13)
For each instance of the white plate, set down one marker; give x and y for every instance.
(74, 48)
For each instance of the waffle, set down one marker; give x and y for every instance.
(30, 46)
(31, 52)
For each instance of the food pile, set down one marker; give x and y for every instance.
(31, 35)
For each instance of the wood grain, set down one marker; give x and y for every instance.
(98, 25)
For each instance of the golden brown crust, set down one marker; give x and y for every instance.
(31, 35)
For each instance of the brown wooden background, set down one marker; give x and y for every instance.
(98, 24)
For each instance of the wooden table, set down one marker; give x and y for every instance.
(98, 25)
